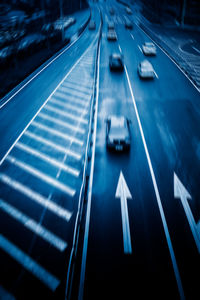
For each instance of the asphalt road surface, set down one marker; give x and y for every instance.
(140, 235)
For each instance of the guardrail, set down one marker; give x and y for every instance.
(84, 186)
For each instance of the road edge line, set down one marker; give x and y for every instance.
(166, 230)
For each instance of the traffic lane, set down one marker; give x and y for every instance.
(171, 149)
(170, 86)
(168, 122)
(17, 113)
(167, 97)
(108, 270)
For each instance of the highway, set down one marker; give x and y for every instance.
(140, 229)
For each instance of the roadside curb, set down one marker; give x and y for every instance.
(47, 62)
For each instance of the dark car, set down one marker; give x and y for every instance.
(111, 25)
(118, 133)
(111, 35)
(116, 62)
(128, 24)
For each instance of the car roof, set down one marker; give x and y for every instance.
(149, 44)
(146, 63)
(117, 121)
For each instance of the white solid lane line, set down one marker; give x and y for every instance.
(46, 178)
(162, 214)
(38, 198)
(57, 133)
(47, 159)
(29, 264)
(51, 144)
(65, 114)
(156, 74)
(62, 123)
(33, 226)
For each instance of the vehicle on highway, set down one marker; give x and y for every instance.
(116, 62)
(149, 49)
(111, 25)
(145, 70)
(118, 133)
(111, 35)
(92, 25)
(129, 11)
(128, 23)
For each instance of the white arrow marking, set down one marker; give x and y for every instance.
(181, 193)
(123, 193)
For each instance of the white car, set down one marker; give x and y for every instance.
(111, 35)
(145, 70)
(149, 48)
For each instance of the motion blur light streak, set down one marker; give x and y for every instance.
(99, 161)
